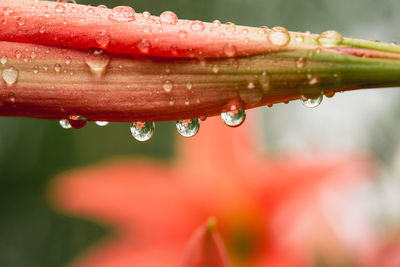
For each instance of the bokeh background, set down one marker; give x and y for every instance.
(33, 234)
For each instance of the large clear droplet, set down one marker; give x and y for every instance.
(330, 38)
(278, 36)
(101, 123)
(188, 128)
(168, 17)
(122, 13)
(311, 102)
(10, 75)
(233, 118)
(77, 122)
(97, 59)
(143, 131)
(65, 124)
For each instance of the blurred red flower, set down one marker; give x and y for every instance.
(270, 211)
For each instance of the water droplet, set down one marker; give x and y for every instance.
(299, 39)
(278, 36)
(102, 38)
(102, 6)
(146, 29)
(42, 29)
(300, 62)
(146, 14)
(97, 59)
(229, 50)
(122, 13)
(263, 30)
(203, 118)
(313, 80)
(167, 86)
(216, 23)
(101, 123)
(231, 27)
(68, 60)
(233, 118)
(144, 46)
(252, 94)
(197, 26)
(60, 8)
(143, 131)
(45, 67)
(329, 93)
(168, 17)
(188, 128)
(10, 75)
(311, 102)
(182, 33)
(264, 80)
(3, 60)
(20, 21)
(65, 124)
(77, 122)
(36, 69)
(330, 38)
(215, 69)
(57, 67)
(189, 85)
(18, 54)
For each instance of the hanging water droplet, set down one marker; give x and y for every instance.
(60, 8)
(122, 13)
(329, 93)
(102, 38)
(101, 123)
(203, 118)
(168, 17)
(197, 26)
(97, 59)
(330, 38)
(144, 46)
(188, 128)
(229, 50)
(57, 67)
(311, 102)
(167, 86)
(3, 60)
(143, 131)
(10, 75)
(77, 122)
(278, 36)
(65, 124)
(233, 118)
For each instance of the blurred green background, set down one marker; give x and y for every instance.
(33, 151)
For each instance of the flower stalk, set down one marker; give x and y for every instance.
(60, 59)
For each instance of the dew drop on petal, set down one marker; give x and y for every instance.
(229, 50)
(278, 36)
(311, 102)
(143, 131)
(102, 38)
(167, 86)
(197, 26)
(97, 59)
(122, 13)
(101, 123)
(144, 46)
(188, 128)
(10, 75)
(57, 68)
(330, 38)
(189, 86)
(182, 34)
(68, 60)
(3, 60)
(20, 21)
(77, 122)
(216, 23)
(215, 69)
(329, 93)
(300, 62)
(42, 29)
(7, 11)
(65, 124)
(168, 17)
